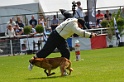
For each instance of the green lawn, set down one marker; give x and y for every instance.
(100, 65)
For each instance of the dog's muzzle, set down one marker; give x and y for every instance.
(31, 61)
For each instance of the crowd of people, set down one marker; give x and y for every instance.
(16, 27)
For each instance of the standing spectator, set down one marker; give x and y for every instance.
(19, 22)
(78, 14)
(10, 31)
(107, 15)
(54, 22)
(122, 12)
(33, 21)
(12, 22)
(79, 11)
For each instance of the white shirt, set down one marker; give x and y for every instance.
(69, 27)
(10, 33)
(79, 13)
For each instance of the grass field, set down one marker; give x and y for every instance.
(100, 65)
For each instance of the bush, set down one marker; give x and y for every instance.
(120, 21)
(104, 23)
(39, 29)
(27, 29)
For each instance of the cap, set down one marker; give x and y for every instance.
(81, 21)
(66, 13)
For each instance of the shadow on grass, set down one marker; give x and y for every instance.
(44, 77)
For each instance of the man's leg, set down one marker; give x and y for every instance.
(47, 49)
(64, 49)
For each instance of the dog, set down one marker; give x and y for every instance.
(49, 64)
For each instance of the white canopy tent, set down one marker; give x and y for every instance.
(18, 8)
(55, 5)
(14, 7)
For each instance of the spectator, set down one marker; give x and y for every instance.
(42, 21)
(33, 21)
(99, 18)
(122, 12)
(33, 30)
(107, 15)
(18, 30)
(19, 22)
(99, 15)
(12, 22)
(79, 11)
(10, 31)
(54, 22)
(86, 20)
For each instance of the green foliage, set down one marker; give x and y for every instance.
(39, 29)
(118, 14)
(120, 24)
(120, 21)
(99, 65)
(104, 23)
(27, 29)
(121, 30)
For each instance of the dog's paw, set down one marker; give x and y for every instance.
(65, 74)
(53, 73)
(50, 74)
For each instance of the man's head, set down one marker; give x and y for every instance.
(81, 23)
(32, 16)
(99, 11)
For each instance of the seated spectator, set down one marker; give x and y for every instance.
(86, 20)
(19, 22)
(33, 21)
(99, 18)
(18, 30)
(12, 22)
(54, 22)
(107, 15)
(33, 30)
(42, 21)
(99, 15)
(10, 31)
